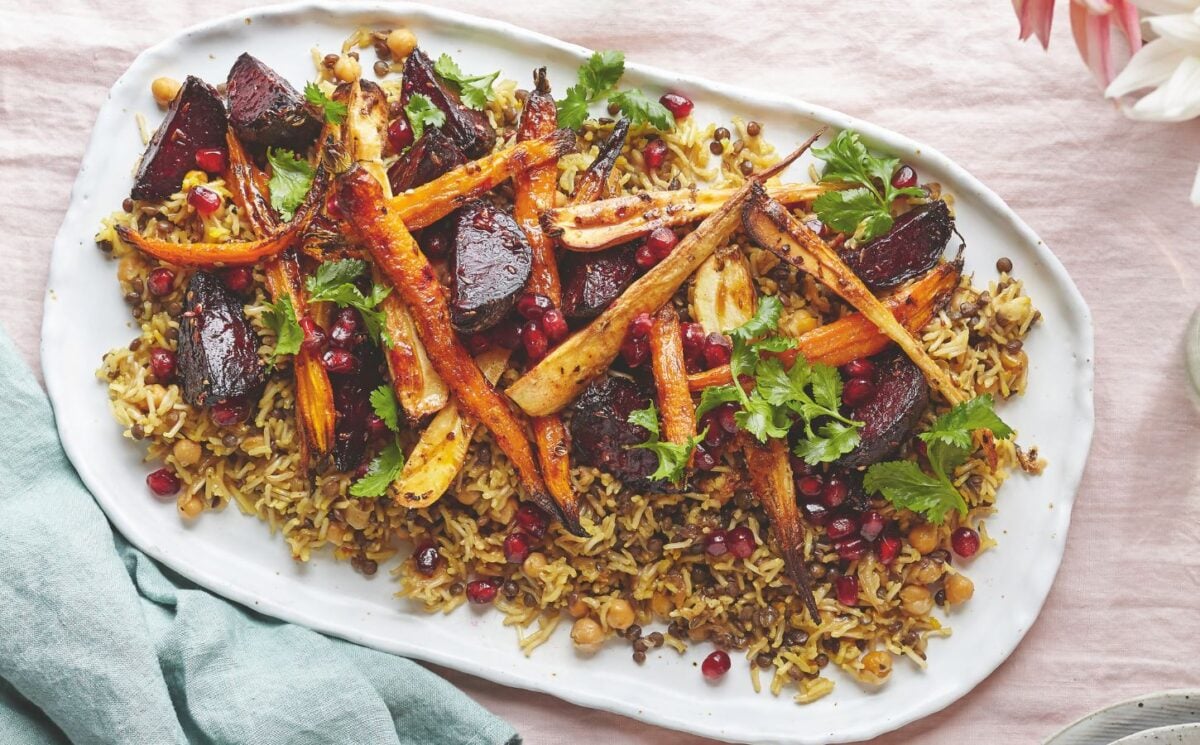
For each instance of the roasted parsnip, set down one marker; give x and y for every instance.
(675, 405)
(722, 291)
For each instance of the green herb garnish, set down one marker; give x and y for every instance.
(333, 111)
(473, 90)
(421, 113)
(597, 78)
(291, 178)
(280, 317)
(864, 211)
(386, 466)
(641, 110)
(672, 457)
(334, 283)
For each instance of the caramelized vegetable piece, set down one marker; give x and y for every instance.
(433, 155)
(901, 396)
(265, 110)
(591, 184)
(604, 438)
(775, 229)
(194, 121)
(722, 291)
(913, 245)
(249, 187)
(591, 281)
(591, 227)
(469, 128)
(489, 267)
(218, 349)
(771, 481)
(670, 377)
(424, 205)
(854, 336)
(383, 232)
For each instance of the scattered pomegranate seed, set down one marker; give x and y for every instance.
(726, 416)
(715, 665)
(655, 154)
(314, 335)
(505, 335)
(339, 361)
(714, 434)
(889, 548)
(238, 279)
(399, 134)
(859, 368)
(481, 591)
(532, 306)
(426, 558)
(965, 542)
(333, 207)
(640, 326)
(532, 520)
(799, 467)
(635, 350)
(644, 257)
(160, 282)
(693, 342)
(810, 486)
(716, 543)
(376, 427)
(516, 547)
(660, 242)
(533, 338)
(478, 343)
(851, 549)
(872, 525)
(815, 512)
(842, 526)
(741, 542)
(679, 106)
(717, 350)
(702, 459)
(834, 492)
(211, 159)
(554, 323)
(229, 412)
(847, 589)
(344, 334)
(904, 177)
(857, 391)
(162, 364)
(163, 482)
(816, 226)
(204, 200)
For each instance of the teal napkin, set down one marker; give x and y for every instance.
(98, 644)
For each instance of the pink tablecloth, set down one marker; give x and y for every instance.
(1107, 194)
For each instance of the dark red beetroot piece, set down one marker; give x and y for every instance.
(352, 402)
(901, 394)
(468, 128)
(218, 350)
(908, 250)
(195, 121)
(430, 156)
(603, 437)
(489, 266)
(265, 110)
(593, 280)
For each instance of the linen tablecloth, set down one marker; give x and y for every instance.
(1108, 195)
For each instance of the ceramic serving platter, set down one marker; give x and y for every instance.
(237, 557)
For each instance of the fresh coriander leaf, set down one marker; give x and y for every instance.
(333, 111)
(332, 273)
(761, 419)
(714, 396)
(281, 318)
(743, 360)
(765, 319)
(383, 403)
(421, 113)
(601, 72)
(381, 473)
(573, 110)
(334, 283)
(672, 457)
(641, 110)
(291, 178)
(774, 344)
(474, 90)
(955, 426)
(906, 486)
(833, 440)
(646, 418)
(844, 211)
(772, 382)
(864, 211)
(943, 458)
(826, 386)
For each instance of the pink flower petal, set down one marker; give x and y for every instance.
(1129, 23)
(1093, 38)
(1036, 18)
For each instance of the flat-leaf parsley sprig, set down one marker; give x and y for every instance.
(864, 211)
(386, 466)
(672, 457)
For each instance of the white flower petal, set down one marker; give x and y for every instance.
(1152, 65)
(1183, 29)
(1176, 100)
(1167, 7)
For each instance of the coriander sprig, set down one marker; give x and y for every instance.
(333, 111)
(386, 466)
(672, 457)
(333, 282)
(291, 178)
(473, 90)
(598, 78)
(865, 210)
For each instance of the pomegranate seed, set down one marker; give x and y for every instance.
(640, 326)
(554, 323)
(534, 340)
(655, 154)
(714, 434)
(478, 343)
(204, 200)
(314, 335)
(889, 548)
(872, 525)
(904, 177)
(339, 361)
(344, 334)
(726, 416)
(859, 368)
(162, 364)
(717, 350)
(516, 547)
(532, 520)
(362, 470)
(834, 492)
(847, 589)
(644, 257)
(399, 134)
(816, 226)
(426, 558)
(532, 307)
(810, 486)
(505, 335)
(741, 542)
(815, 512)
(238, 279)
(376, 427)
(857, 391)
(481, 591)
(841, 527)
(160, 282)
(660, 242)
(229, 412)
(211, 159)
(965, 542)
(635, 350)
(436, 239)
(851, 548)
(715, 665)
(693, 340)
(716, 543)
(163, 482)
(799, 467)
(679, 106)
(702, 459)
(333, 207)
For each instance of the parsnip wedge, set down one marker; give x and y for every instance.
(722, 292)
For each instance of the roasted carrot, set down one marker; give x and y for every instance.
(382, 230)
(670, 377)
(248, 185)
(591, 184)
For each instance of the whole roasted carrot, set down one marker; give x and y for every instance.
(670, 377)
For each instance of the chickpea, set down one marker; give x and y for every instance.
(923, 538)
(877, 665)
(401, 42)
(347, 69)
(927, 571)
(587, 633)
(186, 452)
(534, 564)
(164, 90)
(575, 605)
(959, 589)
(661, 605)
(620, 614)
(916, 600)
(192, 507)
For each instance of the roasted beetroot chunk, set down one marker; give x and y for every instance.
(603, 437)
(490, 265)
(901, 394)
(218, 350)
(908, 250)
(469, 128)
(195, 121)
(429, 157)
(266, 110)
(593, 280)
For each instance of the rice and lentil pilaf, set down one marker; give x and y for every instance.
(642, 564)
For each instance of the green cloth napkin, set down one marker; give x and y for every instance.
(98, 644)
